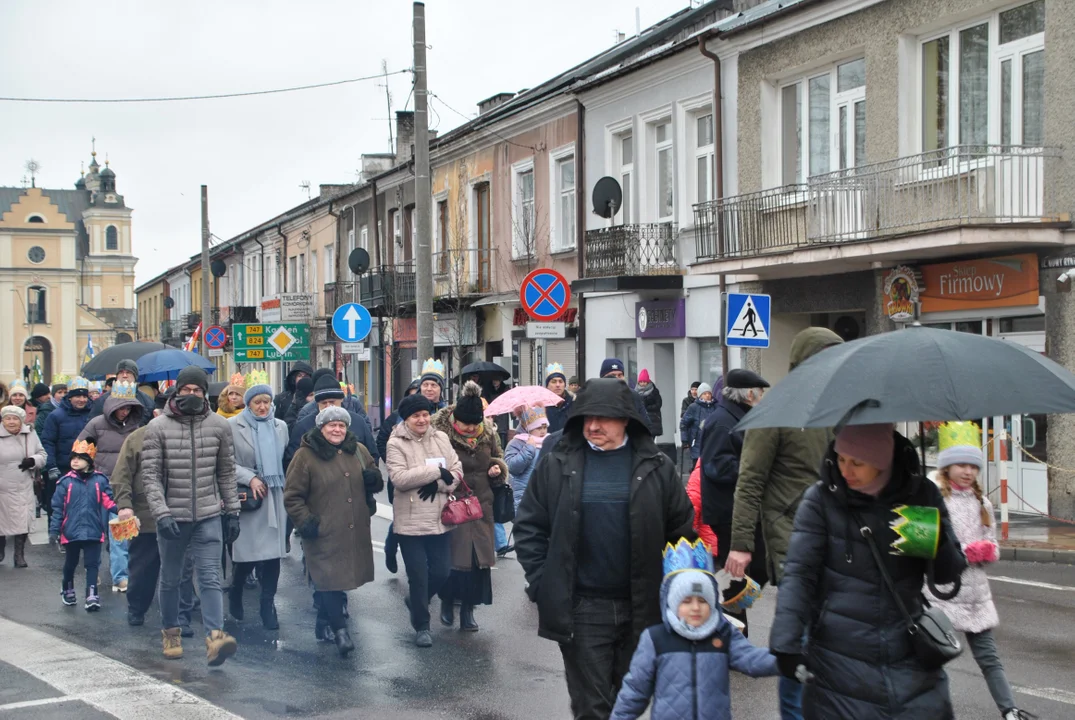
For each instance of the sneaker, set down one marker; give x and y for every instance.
(219, 646)
(68, 596)
(120, 587)
(173, 644)
(134, 619)
(423, 639)
(1017, 714)
(93, 603)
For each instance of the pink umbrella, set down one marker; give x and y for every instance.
(524, 396)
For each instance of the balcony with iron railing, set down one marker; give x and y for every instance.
(387, 287)
(464, 272)
(340, 293)
(171, 333)
(952, 188)
(637, 256)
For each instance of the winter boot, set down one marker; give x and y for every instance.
(3, 547)
(173, 643)
(93, 602)
(268, 614)
(219, 646)
(466, 619)
(447, 613)
(235, 599)
(343, 642)
(68, 595)
(423, 639)
(20, 551)
(322, 631)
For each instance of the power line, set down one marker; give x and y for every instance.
(181, 98)
(485, 129)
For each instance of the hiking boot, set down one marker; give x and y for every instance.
(121, 586)
(173, 643)
(20, 551)
(93, 602)
(447, 613)
(68, 596)
(423, 639)
(343, 642)
(467, 623)
(134, 619)
(219, 646)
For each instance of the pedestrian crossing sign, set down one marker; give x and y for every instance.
(746, 322)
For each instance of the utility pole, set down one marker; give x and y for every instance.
(422, 192)
(205, 270)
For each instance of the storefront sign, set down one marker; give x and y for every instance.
(1058, 261)
(901, 293)
(287, 307)
(1010, 281)
(520, 318)
(661, 319)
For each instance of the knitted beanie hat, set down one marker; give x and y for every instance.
(333, 414)
(468, 409)
(687, 583)
(871, 444)
(412, 404)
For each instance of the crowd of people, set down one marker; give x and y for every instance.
(640, 579)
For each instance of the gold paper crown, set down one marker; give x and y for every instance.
(257, 377)
(433, 367)
(60, 379)
(955, 434)
(237, 379)
(81, 447)
(124, 390)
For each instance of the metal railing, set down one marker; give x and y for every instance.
(640, 249)
(966, 185)
(243, 314)
(339, 293)
(387, 286)
(464, 271)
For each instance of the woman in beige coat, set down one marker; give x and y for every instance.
(20, 454)
(424, 470)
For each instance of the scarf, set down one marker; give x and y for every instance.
(325, 450)
(269, 455)
(470, 440)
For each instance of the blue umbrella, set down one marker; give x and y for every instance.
(166, 364)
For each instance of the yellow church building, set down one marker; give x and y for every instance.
(66, 275)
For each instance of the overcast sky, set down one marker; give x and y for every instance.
(254, 153)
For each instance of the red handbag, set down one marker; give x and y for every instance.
(462, 509)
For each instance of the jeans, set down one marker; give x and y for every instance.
(91, 558)
(206, 543)
(984, 649)
(330, 605)
(791, 699)
(501, 535)
(188, 599)
(118, 559)
(598, 657)
(428, 562)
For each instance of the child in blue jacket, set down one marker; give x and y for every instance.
(80, 506)
(695, 644)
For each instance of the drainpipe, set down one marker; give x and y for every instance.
(718, 184)
(580, 232)
(381, 380)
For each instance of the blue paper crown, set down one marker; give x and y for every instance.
(554, 368)
(685, 555)
(124, 390)
(433, 367)
(78, 383)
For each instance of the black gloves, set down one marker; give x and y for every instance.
(373, 480)
(310, 527)
(446, 477)
(168, 528)
(231, 528)
(428, 491)
(793, 667)
(26, 464)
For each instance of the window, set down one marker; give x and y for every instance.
(412, 221)
(709, 361)
(704, 158)
(363, 238)
(960, 105)
(523, 240)
(36, 309)
(627, 168)
(313, 270)
(627, 350)
(563, 202)
(662, 135)
(440, 251)
(35, 219)
(111, 238)
(823, 122)
(292, 274)
(350, 241)
(330, 264)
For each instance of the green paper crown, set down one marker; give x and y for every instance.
(956, 434)
(918, 531)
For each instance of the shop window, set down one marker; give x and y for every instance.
(710, 369)
(627, 351)
(1025, 323)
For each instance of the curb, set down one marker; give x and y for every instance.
(1038, 555)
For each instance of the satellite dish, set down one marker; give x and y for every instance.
(169, 303)
(358, 261)
(607, 197)
(218, 268)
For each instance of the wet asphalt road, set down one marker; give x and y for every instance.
(502, 672)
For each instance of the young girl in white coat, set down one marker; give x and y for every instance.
(972, 611)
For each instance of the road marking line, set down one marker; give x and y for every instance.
(109, 685)
(38, 703)
(1054, 694)
(1031, 583)
(385, 511)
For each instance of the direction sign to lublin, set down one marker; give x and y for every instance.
(271, 342)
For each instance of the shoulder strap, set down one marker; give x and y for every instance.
(868, 534)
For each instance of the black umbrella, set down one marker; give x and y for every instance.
(485, 370)
(104, 363)
(917, 374)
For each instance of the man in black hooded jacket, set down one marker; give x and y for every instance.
(283, 399)
(590, 533)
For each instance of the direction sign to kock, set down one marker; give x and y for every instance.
(351, 322)
(271, 342)
(545, 294)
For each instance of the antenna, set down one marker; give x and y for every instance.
(305, 185)
(32, 166)
(388, 100)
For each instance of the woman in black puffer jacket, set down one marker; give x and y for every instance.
(833, 607)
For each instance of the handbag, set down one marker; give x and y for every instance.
(503, 504)
(462, 509)
(247, 501)
(932, 635)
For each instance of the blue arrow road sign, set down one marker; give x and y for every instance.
(351, 322)
(746, 321)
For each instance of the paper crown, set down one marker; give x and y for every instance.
(81, 447)
(124, 390)
(96, 385)
(17, 386)
(433, 367)
(257, 377)
(237, 379)
(954, 434)
(60, 379)
(78, 383)
(685, 555)
(553, 368)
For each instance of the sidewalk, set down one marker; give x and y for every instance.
(1032, 538)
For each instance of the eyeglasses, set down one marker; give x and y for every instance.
(191, 390)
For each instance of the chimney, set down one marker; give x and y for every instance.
(375, 164)
(497, 100)
(404, 136)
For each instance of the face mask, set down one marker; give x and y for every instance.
(190, 404)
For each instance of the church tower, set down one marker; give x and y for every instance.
(108, 265)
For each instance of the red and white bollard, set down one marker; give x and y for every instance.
(1001, 454)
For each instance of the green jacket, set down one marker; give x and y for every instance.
(776, 468)
(126, 481)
